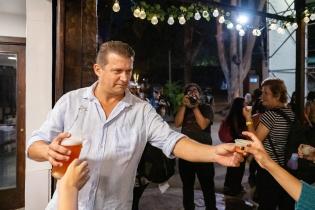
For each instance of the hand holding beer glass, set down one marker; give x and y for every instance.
(72, 143)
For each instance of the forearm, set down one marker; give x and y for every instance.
(38, 151)
(290, 184)
(193, 151)
(68, 198)
(201, 120)
(180, 116)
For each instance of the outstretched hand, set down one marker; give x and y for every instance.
(76, 175)
(225, 154)
(257, 149)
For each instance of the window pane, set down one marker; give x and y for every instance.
(8, 64)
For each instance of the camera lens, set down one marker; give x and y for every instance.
(192, 100)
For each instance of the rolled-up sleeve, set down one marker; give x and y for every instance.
(306, 200)
(52, 126)
(160, 134)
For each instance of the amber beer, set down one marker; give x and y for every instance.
(75, 147)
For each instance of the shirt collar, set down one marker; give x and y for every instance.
(127, 100)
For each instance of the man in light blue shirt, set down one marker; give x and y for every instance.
(116, 128)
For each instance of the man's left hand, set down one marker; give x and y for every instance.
(225, 154)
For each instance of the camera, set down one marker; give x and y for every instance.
(192, 100)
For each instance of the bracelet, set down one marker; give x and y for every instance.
(249, 123)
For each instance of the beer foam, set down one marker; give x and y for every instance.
(242, 142)
(71, 141)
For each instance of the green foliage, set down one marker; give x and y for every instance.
(173, 92)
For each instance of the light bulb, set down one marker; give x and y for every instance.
(254, 32)
(295, 26)
(241, 32)
(136, 12)
(170, 20)
(288, 25)
(280, 30)
(142, 14)
(306, 19)
(238, 26)
(230, 25)
(154, 20)
(273, 26)
(221, 19)
(197, 16)
(205, 14)
(312, 17)
(116, 6)
(182, 20)
(215, 13)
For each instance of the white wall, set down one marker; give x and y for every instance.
(284, 58)
(12, 18)
(38, 94)
(33, 19)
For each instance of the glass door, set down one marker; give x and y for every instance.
(12, 125)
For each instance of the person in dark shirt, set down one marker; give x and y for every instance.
(196, 119)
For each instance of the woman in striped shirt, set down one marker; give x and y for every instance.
(273, 131)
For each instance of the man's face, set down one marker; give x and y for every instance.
(114, 77)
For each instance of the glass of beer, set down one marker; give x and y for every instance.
(74, 145)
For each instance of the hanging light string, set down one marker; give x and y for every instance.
(197, 11)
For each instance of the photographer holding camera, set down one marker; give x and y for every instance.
(196, 119)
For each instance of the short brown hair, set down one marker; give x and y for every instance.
(277, 87)
(117, 47)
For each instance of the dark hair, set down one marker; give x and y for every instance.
(311, 96)
(235, 117)
(117, 47)
(188, 86)
(277, 87)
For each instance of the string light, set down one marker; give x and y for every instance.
(195, 11)
(280, 30)
(273, 26)
(205, 14)
(116, 6)
(288, 25)
(170, 20)
(241, 32)
(215, 13)
(221, 19)
(256, 32)
(197, 16)
(136, 12)
(238, 27)
(295, 26)
(306, 19)
(142, 14)
(182, 20)
(230, 25)
(154, 20)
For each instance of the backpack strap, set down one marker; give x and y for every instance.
(274, 150)
(287, 118)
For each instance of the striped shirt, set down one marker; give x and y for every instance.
(278, 132)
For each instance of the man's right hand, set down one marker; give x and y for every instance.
(56, 152)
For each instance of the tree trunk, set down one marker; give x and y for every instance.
(188, 38)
